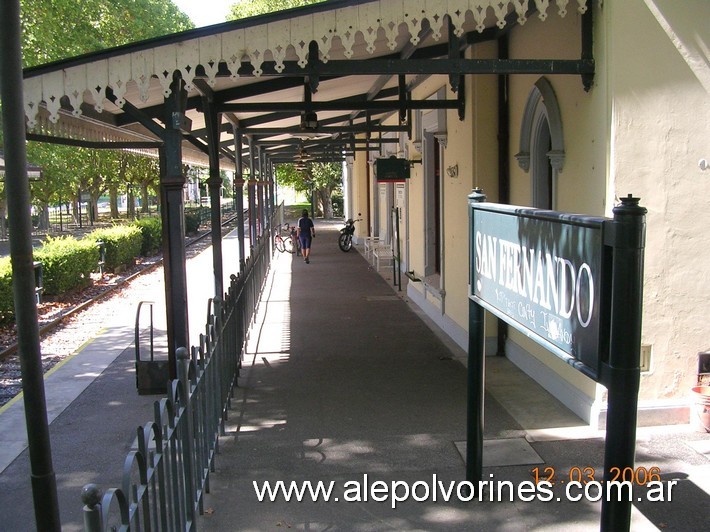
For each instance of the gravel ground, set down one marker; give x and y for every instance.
(85, 324)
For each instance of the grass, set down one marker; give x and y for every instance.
(294, 211)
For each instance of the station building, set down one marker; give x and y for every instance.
(545, 141)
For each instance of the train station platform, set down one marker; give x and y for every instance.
(345, 382)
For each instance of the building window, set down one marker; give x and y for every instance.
(432, 130)
(432, 197)
(542, 144)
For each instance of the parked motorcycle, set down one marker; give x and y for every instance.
(345, 240)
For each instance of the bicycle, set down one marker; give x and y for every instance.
(287, 243)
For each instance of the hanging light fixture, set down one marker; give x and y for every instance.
(309, 121)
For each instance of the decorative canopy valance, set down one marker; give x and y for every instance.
(33, 172)
(338, 30)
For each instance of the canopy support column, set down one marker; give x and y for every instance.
(260, 193)
(272, 187)
(251, 190)
(212, 122)
(44, 485)
(172, 182)
(239, 191)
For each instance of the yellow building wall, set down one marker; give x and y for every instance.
(472, 147)
(660, 130)
(359, 195)
(581, 183)
(639, 130)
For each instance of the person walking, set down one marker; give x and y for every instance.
(306, 231)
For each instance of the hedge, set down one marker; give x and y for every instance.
(7, 302)
(66, 263)
(192, 222)
(122, 243)
(151, 230)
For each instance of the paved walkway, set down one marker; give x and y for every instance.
(345, 382)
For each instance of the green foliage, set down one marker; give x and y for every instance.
(250, 8)
(67, 263)
(7, 301)
(122, 243)
(53, 30)
(192, 222)
(338, 203)
(151, 231)
(90, 25)
(325, 179)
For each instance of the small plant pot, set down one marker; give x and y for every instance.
(700, 408)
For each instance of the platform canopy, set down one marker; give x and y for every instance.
(33, 172)
(307, 78)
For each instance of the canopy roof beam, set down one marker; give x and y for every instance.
(338, 105)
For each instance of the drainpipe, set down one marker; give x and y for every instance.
(44, 486)
(503, 161)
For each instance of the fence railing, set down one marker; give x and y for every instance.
(166, 476)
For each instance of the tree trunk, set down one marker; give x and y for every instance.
(324, 195)
(130, 204)
(94, 207)
(43, 218)
(76, 211)
(145, 206)
(113, 202)
(3, 221)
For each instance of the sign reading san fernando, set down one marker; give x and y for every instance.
(542, 273)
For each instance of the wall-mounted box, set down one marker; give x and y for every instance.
(391, 169)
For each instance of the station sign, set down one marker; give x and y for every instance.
(543, 272)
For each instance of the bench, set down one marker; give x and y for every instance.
(383, 254)
(371, 242)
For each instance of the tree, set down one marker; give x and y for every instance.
(56, 29)
(320, 179)
(250, 8)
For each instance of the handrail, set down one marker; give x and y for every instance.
(137, 330)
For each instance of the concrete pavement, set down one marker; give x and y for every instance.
(346, 383)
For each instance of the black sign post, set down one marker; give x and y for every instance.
(476, 374)
(574, 285)
(621, 374)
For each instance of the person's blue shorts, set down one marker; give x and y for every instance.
(305, 242)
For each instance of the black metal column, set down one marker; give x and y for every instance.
(214, 183)
(476, 377)
(251, 191)
(239, 192)
(503, 160)
(267, 188)
(313, 201)
(272, 185)
(44, 486)
(260, 192)
(172, 181)
(622, 374)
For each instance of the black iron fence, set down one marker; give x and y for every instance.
(167, 474)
